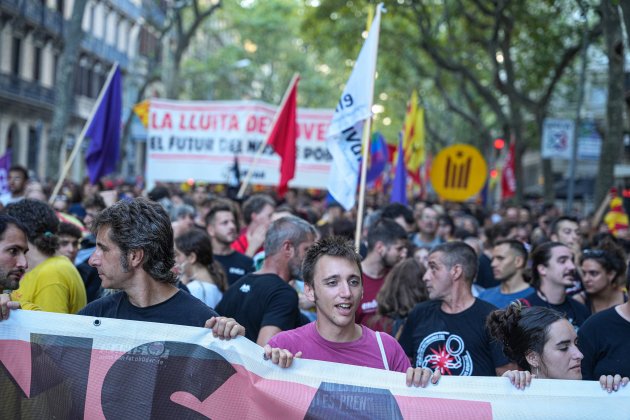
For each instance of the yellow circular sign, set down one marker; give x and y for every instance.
(458, 172)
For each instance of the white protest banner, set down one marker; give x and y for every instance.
(70, 366)
(557, 138)
(199, 141)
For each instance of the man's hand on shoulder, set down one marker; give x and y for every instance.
(225, 328)
(281, 357)
(7, 305)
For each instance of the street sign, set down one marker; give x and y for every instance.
(557, 138)
(458, 172)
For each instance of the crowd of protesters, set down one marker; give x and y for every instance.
(435, 288)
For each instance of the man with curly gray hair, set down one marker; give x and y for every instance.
(134, 254)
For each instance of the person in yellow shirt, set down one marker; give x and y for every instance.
(51, 283)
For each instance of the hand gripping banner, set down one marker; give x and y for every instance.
(72, 367)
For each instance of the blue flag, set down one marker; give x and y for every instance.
(104, 131)
(399, 189)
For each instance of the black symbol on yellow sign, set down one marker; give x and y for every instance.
(457, 173)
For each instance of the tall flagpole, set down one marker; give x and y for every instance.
(79, 141)
(365, 142)
(250, 171)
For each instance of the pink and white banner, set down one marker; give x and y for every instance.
(71, 367)
(200, 140)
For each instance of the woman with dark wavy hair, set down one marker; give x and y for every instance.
(603, 276)
(402, 290)
(543, 343)
(203, 276)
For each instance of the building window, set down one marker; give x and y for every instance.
(15, 57)
(37, 64)
(60, 6)
(33, 148)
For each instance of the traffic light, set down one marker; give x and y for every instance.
(499, 144)
(494, 173)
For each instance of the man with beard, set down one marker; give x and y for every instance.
(13, 249)
(427, 229)
(387, 242)
(553, 271)
(18, 178)
(509, 258)
(263, 301)
(332, 281)
(221, 226)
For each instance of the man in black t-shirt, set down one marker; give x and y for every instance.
(263, 302)
(449, 333)
(221, 226)
(134, 254)
(553, 271)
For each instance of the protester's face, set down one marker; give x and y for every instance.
(295, 262)
(68, 246)
(428, 222)
(17, 182)
(560, 268)
(524, 216)
(107, 260)
(561, 358)
(336, 291)
(438, 278)
(503, 262)
(511, 214)
(187, 221)
(90, 215)
(264, 217)
(13, 249)
(199, 195)
(394, 253)
(594, 277)
(445, 230)
(421, 255)
(183, 265)
(223, 227)
(569, 234)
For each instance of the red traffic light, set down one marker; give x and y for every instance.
(494, 173)
(499, 144)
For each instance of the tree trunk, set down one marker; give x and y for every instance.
(64, 91)
(613, 138)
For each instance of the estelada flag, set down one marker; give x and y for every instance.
(413, 137)
(283, 135)
(142, 111)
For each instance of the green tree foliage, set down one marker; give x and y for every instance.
(251, 50)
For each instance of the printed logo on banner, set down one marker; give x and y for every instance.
(447, 352)
(340, 400)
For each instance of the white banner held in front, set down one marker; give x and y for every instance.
(557, 138)
(199, 141)
(71, 366)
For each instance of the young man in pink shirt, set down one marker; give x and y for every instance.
(332, 280)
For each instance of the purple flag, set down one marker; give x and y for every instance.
(399, 189)
(378, 157)
(5, 164)
(104, 131)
